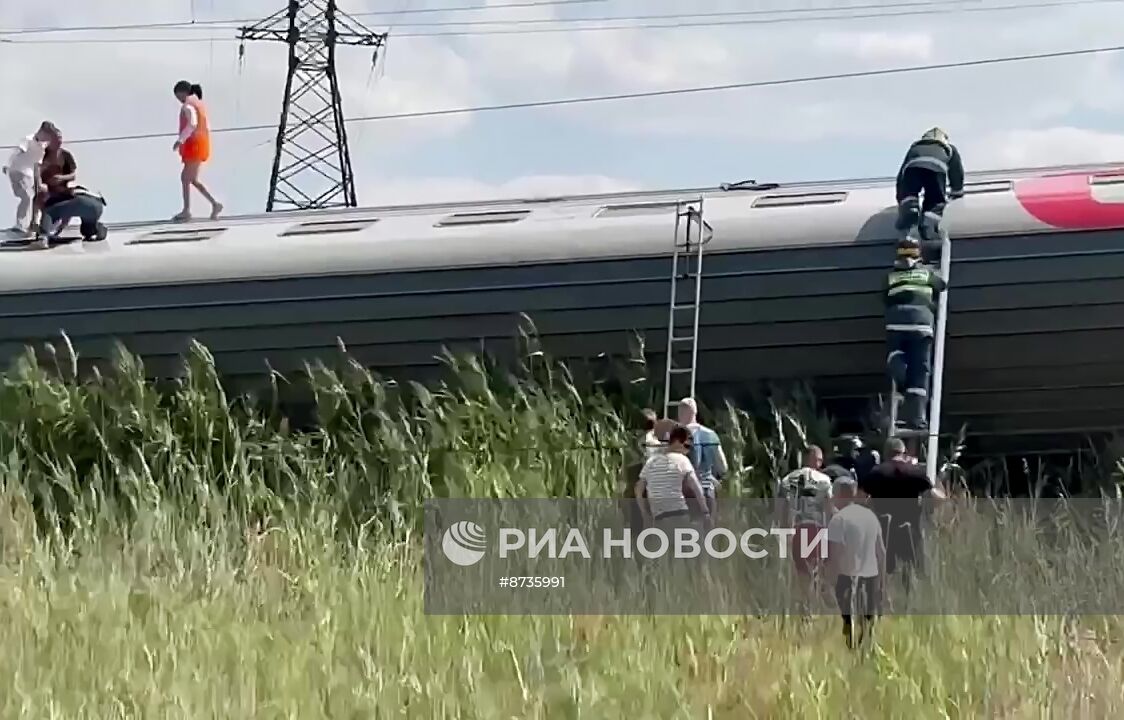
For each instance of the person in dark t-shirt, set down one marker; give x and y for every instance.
(896, 487)
(58, 170)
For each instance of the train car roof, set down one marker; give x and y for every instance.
(518, 230)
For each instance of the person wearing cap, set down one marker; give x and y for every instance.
(931, 174)
(22, 170)
(856, 560)
(706, 455)
(853, 457)
(910, 295)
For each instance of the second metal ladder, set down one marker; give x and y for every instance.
(936, 380)
(691, 235)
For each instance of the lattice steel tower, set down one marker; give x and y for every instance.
(312, 164)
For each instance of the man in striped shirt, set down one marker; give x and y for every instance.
(706, 456)
(666, 480)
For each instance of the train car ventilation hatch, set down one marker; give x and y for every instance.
(991, 186)
(178, 235)
(483, 218)
(322, 227)
(799, 199)
(636, 209)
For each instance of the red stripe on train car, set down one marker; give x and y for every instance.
(1067, 202)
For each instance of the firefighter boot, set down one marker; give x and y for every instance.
(909, 215)
(913, 412)
(932, 236)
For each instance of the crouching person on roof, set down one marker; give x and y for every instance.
(81, 203)
(911, 293)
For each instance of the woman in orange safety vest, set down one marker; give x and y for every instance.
(194, 146)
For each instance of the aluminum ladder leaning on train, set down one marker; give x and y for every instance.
(683, 312)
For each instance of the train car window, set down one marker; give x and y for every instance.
(634, 209)
(483, 218)
(994, 186)
(1107, 179)
(324, 227)
(793, 199)
(177, 235)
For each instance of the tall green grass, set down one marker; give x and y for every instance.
(183, 554)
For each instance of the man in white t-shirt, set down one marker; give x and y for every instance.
(666, 480)
(22, 169)
(856, 558)
(803, 503)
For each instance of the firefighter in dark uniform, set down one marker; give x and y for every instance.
(911, 293)
(932, 168)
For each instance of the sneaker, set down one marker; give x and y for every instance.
(99, 234)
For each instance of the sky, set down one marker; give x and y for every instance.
(1068, 110)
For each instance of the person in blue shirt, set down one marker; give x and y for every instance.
(706, 453)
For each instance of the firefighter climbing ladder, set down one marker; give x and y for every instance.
(691, 235)
(937, 378)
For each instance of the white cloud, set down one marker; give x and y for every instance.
(1050, 146)
(880, 46)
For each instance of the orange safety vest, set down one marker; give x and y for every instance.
(198, 146)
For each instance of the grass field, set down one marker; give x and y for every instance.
(182, 558)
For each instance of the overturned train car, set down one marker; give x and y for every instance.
(790, 290)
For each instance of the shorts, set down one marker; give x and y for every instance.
(805, 565)
(195, 151)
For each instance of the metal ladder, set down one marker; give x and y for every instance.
(936, 379)
(691, 235)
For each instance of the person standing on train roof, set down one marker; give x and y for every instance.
(194, 146)
(22, 169)
(932, 167)
(910, 297)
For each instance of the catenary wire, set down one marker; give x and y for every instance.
(615, 97)
(244, 21)
(634, 22)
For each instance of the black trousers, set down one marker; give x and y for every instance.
(860, 596)
(909, 360)
(928, 187)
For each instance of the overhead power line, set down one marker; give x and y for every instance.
(243, 21)
(631, 23)
(732, 19)
(589, 99)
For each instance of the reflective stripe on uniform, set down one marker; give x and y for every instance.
(922, 329)
(925, 290)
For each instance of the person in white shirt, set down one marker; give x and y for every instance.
(856, 559)
(22, 170)
(803, 503)
(666, 480)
